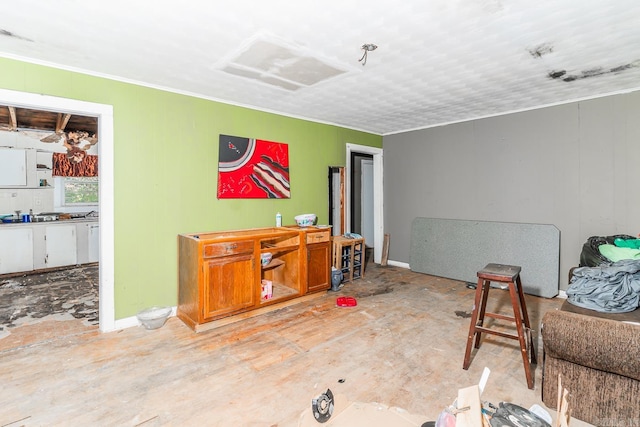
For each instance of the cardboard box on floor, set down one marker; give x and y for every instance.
(354, 414)
(469, 398)
(358, 414)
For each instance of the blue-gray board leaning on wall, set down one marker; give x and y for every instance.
(458, 249)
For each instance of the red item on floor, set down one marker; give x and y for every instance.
(346, 302)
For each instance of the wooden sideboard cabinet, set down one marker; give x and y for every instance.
(220, 274)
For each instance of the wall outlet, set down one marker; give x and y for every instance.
(14, 194)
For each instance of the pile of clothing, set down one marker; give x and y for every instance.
(609, 288)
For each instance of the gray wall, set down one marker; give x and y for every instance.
(576, 166)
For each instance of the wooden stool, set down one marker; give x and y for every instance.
(348, 257)
(509, 274)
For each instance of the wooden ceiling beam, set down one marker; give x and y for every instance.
(14, 119)
(6, 126)
(61, 122)
(13, 123)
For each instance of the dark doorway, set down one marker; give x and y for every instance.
(361, 203)
(362, 199)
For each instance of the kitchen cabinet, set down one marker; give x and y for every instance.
(228, 278)
(93, 244)
(217, 275)
(16, 250)
(317, 256)
(41, 245)
(283, 271)
(60, 245)
(318, 267)
(220, 274)
(88, 242)
(13, 167)
(18, 168)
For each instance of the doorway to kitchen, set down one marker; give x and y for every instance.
(104, 114)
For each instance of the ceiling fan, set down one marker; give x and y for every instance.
(77, 142)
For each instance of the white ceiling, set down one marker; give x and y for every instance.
(438, 61)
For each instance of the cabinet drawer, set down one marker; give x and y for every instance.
(318, 237)
(228, 248)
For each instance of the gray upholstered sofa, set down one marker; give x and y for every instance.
(599, 360)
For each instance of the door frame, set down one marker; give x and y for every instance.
(378, 192)
(104, 113)
(339, 192)
(366, 193)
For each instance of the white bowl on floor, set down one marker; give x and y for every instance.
(154, 317)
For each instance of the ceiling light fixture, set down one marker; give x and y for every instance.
(367, 47)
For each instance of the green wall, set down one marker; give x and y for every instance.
(165, 166)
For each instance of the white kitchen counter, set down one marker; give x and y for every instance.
(26, 246)
(37, 224)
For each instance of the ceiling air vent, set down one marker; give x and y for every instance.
(279, 65)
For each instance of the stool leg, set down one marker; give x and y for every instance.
(525, 317)
(472, 325)
(515, 301)
(486, 284)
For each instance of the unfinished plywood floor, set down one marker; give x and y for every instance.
(402, 345)
(36, 307)
(71, 292)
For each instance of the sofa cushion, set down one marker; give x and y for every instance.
(602, 344)
(596, 397)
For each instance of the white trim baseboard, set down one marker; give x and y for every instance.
(561, 293)
(131, 321)
(399, 264)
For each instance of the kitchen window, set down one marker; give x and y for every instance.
(76, 184)
(79, 190)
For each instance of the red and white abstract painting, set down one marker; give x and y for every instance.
(251, 168)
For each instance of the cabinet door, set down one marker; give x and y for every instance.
(16, 250)
(228, 285)
(93, 243)
(318, 267)
(61, 246)
(13, 167)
